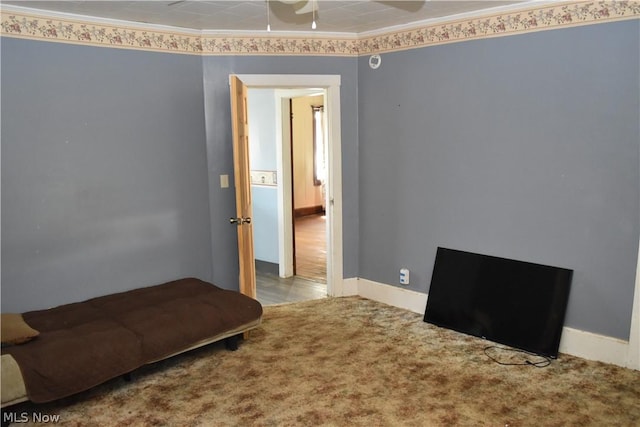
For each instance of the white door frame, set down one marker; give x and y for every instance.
(285, 190)
(331, 86)
(633, 352)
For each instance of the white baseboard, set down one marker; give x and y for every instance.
(349, 287)
(574, 342)
(392, 295)
(594, 347)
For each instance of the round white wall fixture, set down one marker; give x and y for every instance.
(375, 61)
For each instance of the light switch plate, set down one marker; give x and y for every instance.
(224, 181)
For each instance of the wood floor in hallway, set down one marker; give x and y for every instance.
(311, 247)
(311, 259)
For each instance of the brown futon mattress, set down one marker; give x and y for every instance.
(85, 344)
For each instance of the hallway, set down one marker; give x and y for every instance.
(311, 259)
(311, 247)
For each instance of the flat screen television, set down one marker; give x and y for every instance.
(516, 303)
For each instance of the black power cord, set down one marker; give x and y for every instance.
(541, 362)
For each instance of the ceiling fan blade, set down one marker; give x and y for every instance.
(409, 6)
(289, 12)
(298, 7)
(305, 7)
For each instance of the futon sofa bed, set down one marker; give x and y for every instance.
(54, 353)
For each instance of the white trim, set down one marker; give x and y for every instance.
(633, 354)
(574, 342)
(593, 346)
(290, 81)
(315, 34)
(334, 191)
(507, 20)
(284, 188)
(96, 20)
(349, 287)
(456, 17)
(331, 85)
(393, 295)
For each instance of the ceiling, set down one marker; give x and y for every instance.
(333, 16)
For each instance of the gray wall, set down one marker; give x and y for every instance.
(104, 179)
(524, 147)
(111, 162)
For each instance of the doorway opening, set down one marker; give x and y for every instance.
(285, 88)
(305, 139)
(308, 165)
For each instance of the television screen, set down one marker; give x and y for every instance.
(516, 303)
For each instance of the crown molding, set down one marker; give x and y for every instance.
(539, 16)
(498, 10)
(21, 22)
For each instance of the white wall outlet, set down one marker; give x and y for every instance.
(259, 177)
(404, 276)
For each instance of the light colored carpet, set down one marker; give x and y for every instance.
(356, 362)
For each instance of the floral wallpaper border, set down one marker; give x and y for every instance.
(562, 14)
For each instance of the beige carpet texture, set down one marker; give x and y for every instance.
(355, 362)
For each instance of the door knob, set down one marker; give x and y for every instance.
(240, 221)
